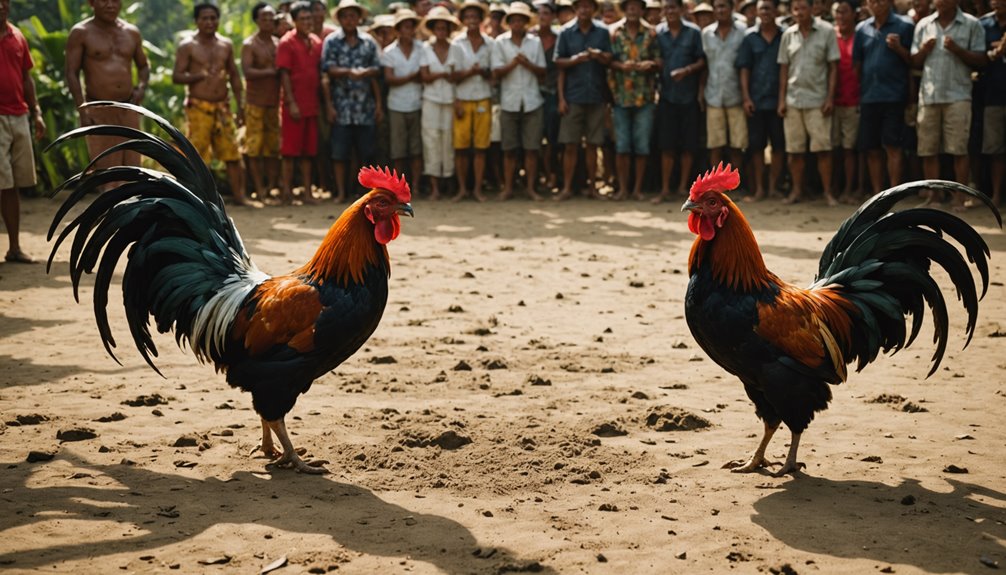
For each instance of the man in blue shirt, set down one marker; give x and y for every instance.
(881, 53)
(582, 54)
(679, 113)
(759, 74)
(993, 83)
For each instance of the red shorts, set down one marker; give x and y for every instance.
(298, 137)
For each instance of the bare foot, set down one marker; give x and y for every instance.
(534, 195)
(639, 196)
(462, 194)
(562, 196)
(661, 197)
(830, 199)
(248, 203)
(504, 195)
(19, 257)
(477, 194)
(757, 197)
(791, 199)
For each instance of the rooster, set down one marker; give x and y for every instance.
(188, 268)
(786, 343)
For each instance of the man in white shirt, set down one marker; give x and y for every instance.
(472, 109)
(518, 62)
(401, 61)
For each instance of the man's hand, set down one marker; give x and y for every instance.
(893, 41)
(459, 109)
(563, 107)
(378, 115)
(749, 107)
(949, 45)
(39, 125)
(136, 97)
(678, 74)
(927, 46)
(330, 114)
(827, 107)
(294, 111)
(781, 108)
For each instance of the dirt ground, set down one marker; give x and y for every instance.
(532, 402)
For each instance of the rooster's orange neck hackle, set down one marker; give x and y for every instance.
(358, 239)
(724, 238)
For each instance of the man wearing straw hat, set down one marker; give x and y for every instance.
(437, 72)
(518, 60)
(582, 54)
(472, 108)
(402, 61)
(353, 100)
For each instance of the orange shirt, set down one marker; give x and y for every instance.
(15, 60)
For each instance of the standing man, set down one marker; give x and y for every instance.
(634, 61)
(518, 61)
(106, 48)
(845, 126)
(351, 60)
(758, 63)
(258, 62)
(582, 54)
(298, 58)
(882, 56)
(994, 84)
(205, 64)
(947, 45)
(402, 61)
(679, 112)
(808, 58)
(18, 111)
(472, 106)
(725, 122)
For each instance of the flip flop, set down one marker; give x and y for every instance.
(18, 257)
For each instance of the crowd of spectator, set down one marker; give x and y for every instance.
(611, 101)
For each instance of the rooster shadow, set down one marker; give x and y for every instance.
(170, 509)
(938, 532)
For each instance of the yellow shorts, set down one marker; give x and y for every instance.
(211, 127)
(472, 129)
(261, 131)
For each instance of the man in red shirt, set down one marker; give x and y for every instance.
(845, 127)
(298, 58)
(17, 107)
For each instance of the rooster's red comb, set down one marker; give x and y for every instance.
(722, 178)
(385, 179)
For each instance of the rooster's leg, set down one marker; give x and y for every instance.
(268, 447)
(290, 457)
(757, 460)
(791, 465)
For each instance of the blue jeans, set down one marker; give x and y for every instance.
(633, 126)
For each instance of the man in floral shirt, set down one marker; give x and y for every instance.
(350, 61)
(632, 80)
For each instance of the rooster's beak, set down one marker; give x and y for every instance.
(689, 205)
(406, 209)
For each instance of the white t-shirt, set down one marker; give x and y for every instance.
(474, 87)
(406, 97)
(440, 91)
(519, 90)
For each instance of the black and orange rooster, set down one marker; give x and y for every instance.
(787, 344)
(187, 267)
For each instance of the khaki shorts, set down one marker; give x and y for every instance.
(211, 127)
(583, 121)
(944, 128)
(472, 129)
(406, 139)
(845, 127)
(994, 130)
(261, 131)
(720, 121)
(17, 161)
(802, 123)
(98, 144)
(522, 129)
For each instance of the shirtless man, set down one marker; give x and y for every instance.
(258, 63)
(106, 48)
(205, 64)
